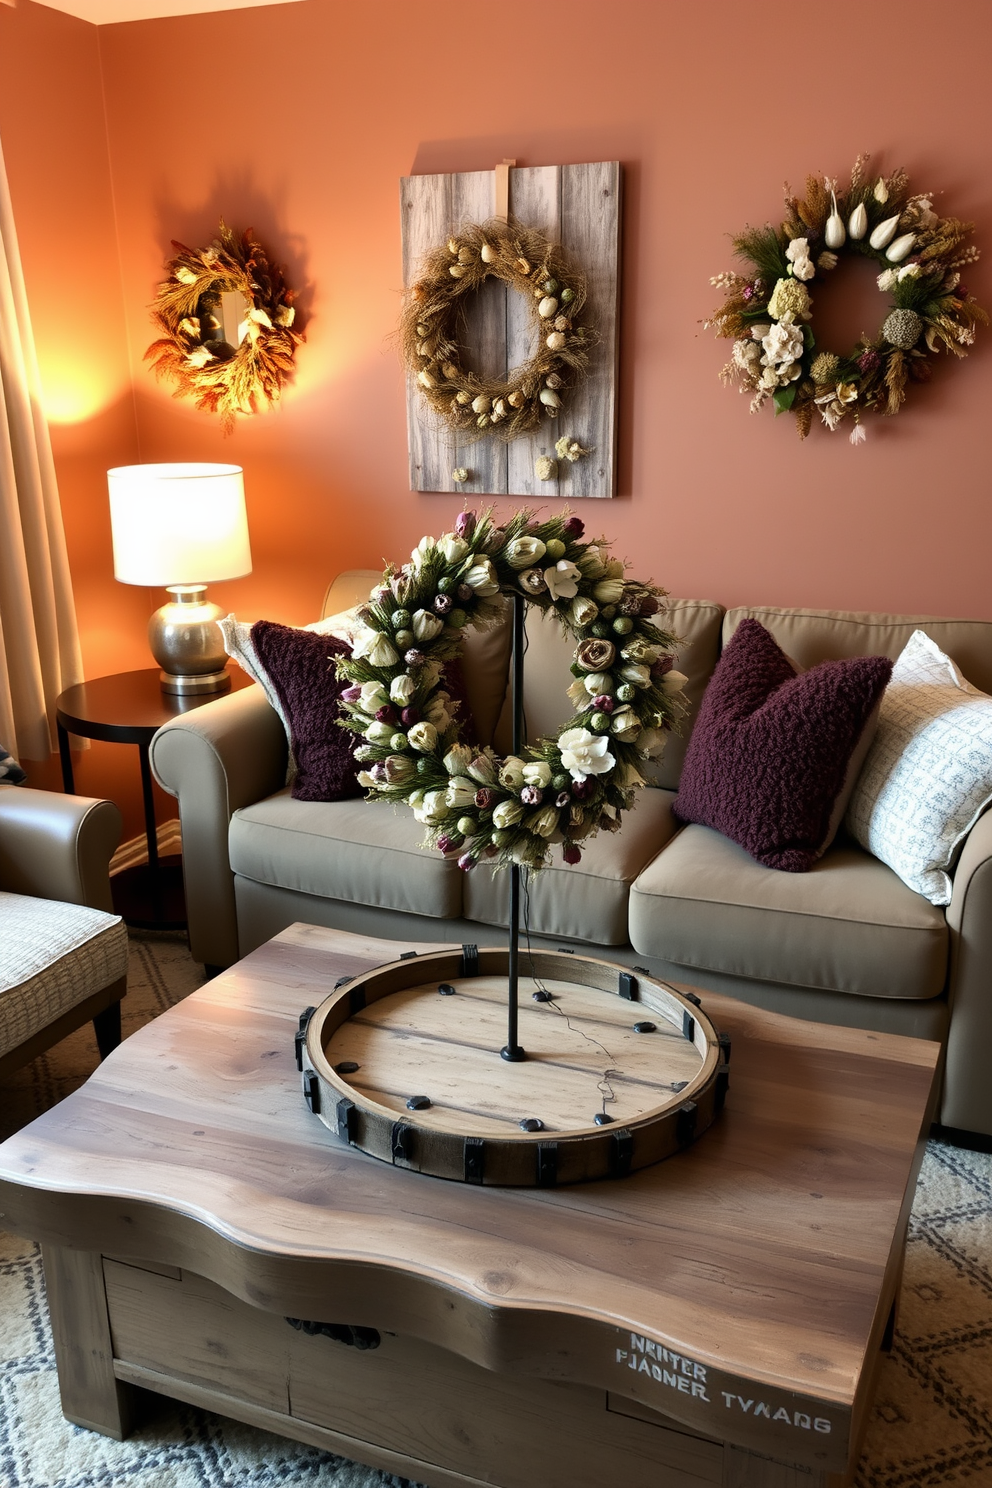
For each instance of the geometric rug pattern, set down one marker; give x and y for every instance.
(931, 1424)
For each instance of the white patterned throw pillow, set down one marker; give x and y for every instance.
(928, 774)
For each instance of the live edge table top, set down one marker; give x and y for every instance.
(742, 1287)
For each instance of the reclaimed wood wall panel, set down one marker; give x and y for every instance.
(578, 206)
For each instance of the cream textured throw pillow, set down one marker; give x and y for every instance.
(928, 774)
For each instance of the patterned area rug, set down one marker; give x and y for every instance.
(931, 1424)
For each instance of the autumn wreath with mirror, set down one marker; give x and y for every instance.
(228, 326)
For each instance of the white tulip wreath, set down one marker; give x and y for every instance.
(626, 690)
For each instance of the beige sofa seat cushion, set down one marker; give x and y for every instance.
(849, 925)
(52, 957)
(364, 851)
(589, 900)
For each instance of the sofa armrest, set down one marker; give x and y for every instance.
(222, 756)
(967, 1100)
(57, 847)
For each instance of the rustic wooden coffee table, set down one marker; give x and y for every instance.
(714, 1319)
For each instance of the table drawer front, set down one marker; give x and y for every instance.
(405, 1395)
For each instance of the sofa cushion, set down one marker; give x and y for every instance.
(52, 957)
(485, 656)
(809, 636)
(769, 756)
(849, 925)
(588, 901)
(301, 668)
(365, 851)
(546, 679)
(928, 776)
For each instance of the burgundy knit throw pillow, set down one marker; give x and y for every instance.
(300, 665)
(769, 751)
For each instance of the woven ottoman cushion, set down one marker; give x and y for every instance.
(52, 957)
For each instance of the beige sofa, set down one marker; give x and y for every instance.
(846, 943)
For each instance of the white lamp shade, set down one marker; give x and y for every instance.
(178, 524)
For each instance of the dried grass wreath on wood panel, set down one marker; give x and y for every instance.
(219, 377)
(433, 316)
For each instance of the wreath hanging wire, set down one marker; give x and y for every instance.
(432, 330)
(767, 311)
(221, 378)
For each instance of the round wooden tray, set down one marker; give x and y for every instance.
(404, 1063)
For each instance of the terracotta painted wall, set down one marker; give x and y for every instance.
(706, 110)
(53, 129)
(300, 119)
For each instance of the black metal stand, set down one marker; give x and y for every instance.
(513, 1050)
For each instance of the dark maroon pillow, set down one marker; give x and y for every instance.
(770, 749)
(300, 664)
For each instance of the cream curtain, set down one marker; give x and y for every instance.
(39, 642)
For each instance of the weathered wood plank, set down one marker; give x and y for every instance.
(591, 224)
(578, 206)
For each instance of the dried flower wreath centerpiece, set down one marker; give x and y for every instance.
(767, 312)
(220, 376)
(626, 690)
(525, 259)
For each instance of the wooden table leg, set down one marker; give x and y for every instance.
(65, 756)
(77, 1299)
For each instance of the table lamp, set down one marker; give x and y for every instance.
(181, 526)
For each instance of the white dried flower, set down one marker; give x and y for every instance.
(584, 753)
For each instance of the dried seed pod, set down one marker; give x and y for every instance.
(465, 255)
(459, 474)
(422, 330)
(545, 468)
(457, 271)
(555, 341)
(483, 421)
(423, 348)
(567, 295)
(426, 380)
(562, 322)
(547, 308)
(453, 246)
(450, 371)
(550, 399)
(499, 409)
(553, 380)
(516, 400)
(487, 253)
(463, 398)
(550, 286)
(481, 404)
(523, 265)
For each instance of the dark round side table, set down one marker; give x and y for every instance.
(127, 708)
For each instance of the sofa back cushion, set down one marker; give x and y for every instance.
(809, 636)
(485, 656)
(546, 679)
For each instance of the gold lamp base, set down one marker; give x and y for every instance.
(186, 642)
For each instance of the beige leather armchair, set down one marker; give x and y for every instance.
(63, 952)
